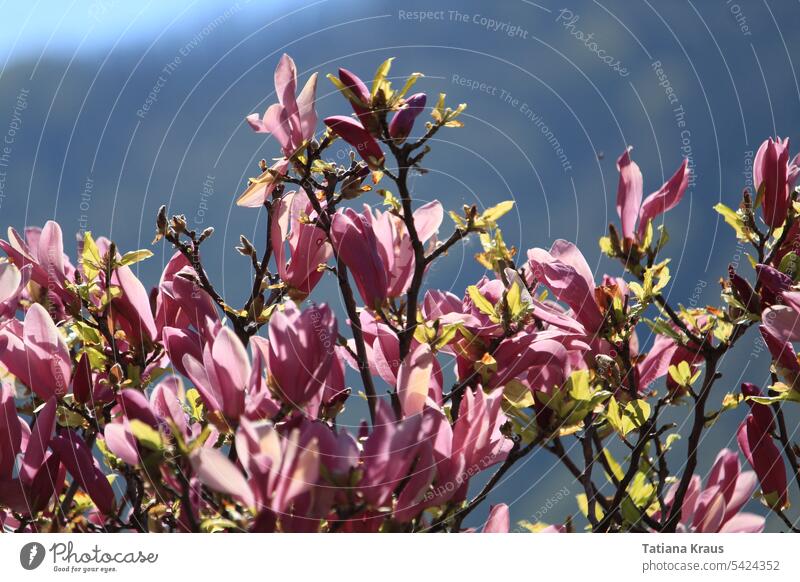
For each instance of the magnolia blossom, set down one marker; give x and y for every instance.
(36, 353)
(403, 120)
(291, 121)
(629, 196)
(300, 353)
(773, 172)
(755, 441)
(354, 133)
(717, 506)
(292, 227)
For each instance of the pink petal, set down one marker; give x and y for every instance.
(499, 520)
(414, 379)
(51, 251)
(121, 442)
(232, 370)
(286, 83)
(305, 108)
(427, 219)
(664, 199)
(48, 354)
(217, 472)
(629, 193)
(39, 441)
(77, 457)
(744, 523)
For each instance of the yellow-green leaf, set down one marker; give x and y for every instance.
(133, 257)
(518, 394)
(90, 258)
(146, 435)
(480, 301)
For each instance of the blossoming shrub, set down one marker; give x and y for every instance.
(169, 409)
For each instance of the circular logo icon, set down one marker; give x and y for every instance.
(31, 555)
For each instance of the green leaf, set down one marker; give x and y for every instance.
(670, 440)
(408, 84)
(133, 257)
(490, 216)
(633, 416)
(68, 418)
(579, 387)
(347, 92)
(790, 264)
(614, 416)
(606, 247)
(195, 404)
(217, 524)
(90, 258)
(483, 304)
(438, 112)
(682, 374)
(638, 411)
(735, 221)
(146, 435)
(379, 81)
(447, 333)
(519, 395)
(616, 470)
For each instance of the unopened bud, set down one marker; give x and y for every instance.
(179, 223)
(206, 233)
(246, 248)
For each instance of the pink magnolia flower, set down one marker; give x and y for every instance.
(354, 241)
(629, 196)
(354, 133)
(293, 119)
(181, 302)
(499, 520)
(383, 354)
(403, 120)
(414, 380)
(131, 405)
(12, 285)
(446, 458)
(388, 454)
(780, 327)
(541, 359)
(301, 351)
(566, 273)
(476, 433)
(307, 244)
(773, 172)
(358, 89)
(131, 310)
(755, 441)
(394, 242)
(223, 375)
(291, 122)
(77, 456)
(36, 353)
(717, 506)
(165, 410)
(666, 352)
(46, 269)
(40, 474)
(280, 470)
(360, 98)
